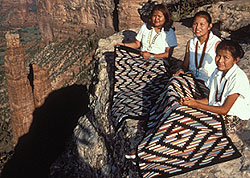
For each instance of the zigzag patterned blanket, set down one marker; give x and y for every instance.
(178, 138)
(138, 82)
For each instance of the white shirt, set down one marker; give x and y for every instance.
(208, 66)
(237, 82)
(163, 40)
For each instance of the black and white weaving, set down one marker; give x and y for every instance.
(177, 138)
(138, 83)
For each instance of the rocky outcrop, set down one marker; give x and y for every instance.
(62, 19)
(19, 90)
(128, 15)
(100, 150)
(42, 85)
(18, 13)
(232, 15)
(30, 82)
(66, 62)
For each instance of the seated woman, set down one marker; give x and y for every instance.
(144, 78)
(200, 50)
(229, 88)
(156, 39)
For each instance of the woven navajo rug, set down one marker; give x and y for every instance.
(138, 83)
(179, 138)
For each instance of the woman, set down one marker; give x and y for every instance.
(156, 39)
(200, 50)
(229, 88)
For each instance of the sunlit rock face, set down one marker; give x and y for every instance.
(232, 15)
(61, 19)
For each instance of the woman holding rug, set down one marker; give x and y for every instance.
(156, 39)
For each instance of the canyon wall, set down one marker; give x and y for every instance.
(128, 15)
(63, 18)
(29, 83)
(17, 13)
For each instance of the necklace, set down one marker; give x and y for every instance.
(216, 94)
(150, 43)
(202, 56)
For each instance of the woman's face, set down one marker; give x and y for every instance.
(158, 19)
(201, 27)
(224, 60)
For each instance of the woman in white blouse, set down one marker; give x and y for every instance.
(200, 50)
(229, 88)
(156, 39)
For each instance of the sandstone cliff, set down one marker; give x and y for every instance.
(61, 19)
(19, 90)
(18, 13)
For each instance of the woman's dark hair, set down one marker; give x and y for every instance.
(205, 15)
(168, 18)
(232, 46)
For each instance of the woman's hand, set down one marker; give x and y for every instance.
(188, 101)
(119, 44)
(136, 44)
(145, 54)
(181, 71)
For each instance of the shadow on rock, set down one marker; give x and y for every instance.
(187, 22)
(129, 36)
(52, 127)
(241, 35)
(245, 136)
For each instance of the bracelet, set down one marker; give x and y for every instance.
(123, 44)
(151, 57)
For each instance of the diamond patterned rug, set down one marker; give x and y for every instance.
(177, 138)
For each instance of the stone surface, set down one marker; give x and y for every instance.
(62, 19)
(30, 82)
(42, 84)
(66, 62)
(232, 15)
(19, 90)
(128, 14)
(17, 13)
